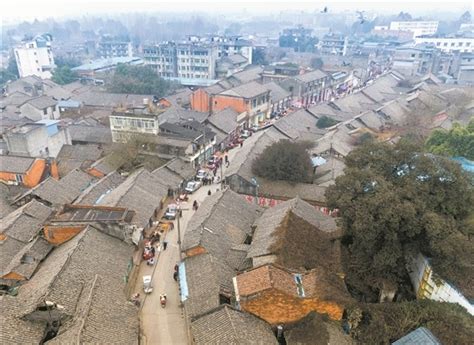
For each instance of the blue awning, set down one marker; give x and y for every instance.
(183, 284)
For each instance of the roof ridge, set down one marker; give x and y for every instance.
(87, 309)
(231, 321)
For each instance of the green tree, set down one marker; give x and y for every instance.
(316, 63)
(286, 161)
(325, 122)
(139, 80)
(259, 57)
(458, 141)
(63, 75)
(395, 200)
(9, 73)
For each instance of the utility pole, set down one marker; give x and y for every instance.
(179, 234)
(255, 183)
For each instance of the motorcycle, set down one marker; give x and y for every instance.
(163, 300)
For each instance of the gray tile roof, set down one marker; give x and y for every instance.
(176, 114)
(15, 164)
(90, 134)
(141, 192)
(273, 219)
(311, 76)
(25, 222)
(182, 168)
(85, 275)
(222, 221)
(250, 74)
(225, 120)
(28, 258)
(96, 191)
(248, 90)
(42, 102)
(77, 156)
(420, 336)
(277, 93)
(167, 177)
(226, 325)
(206, 278)
(64, 191)
(299, 125)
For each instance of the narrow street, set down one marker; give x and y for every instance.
(167, 325)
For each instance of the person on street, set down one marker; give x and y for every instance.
(175, 276)
(165, 244)
(195, 205)
(209, 192)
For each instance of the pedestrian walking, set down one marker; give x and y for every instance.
(241, 143)
(226, 159)
(165, 244)
(175, 276)
(209, 192)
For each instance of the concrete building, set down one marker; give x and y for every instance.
(35, 57)
(462, 68)
(418, 28)
(110, 48)
(333, 44)
(43, 138)
(40, 108)
(135, 121)
(183, 60)
(417, 60)
(227, 45)
(309, 88)
(251, 101)
(449, 44)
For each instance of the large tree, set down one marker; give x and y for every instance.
(284, 160)
(64, 75)
(139, 80)
(395, 200)
(458, 141)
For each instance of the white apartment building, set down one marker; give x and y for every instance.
(196, 61)
(35, 57)
(125, 125)
(418, 28)
(183, 60)
(449, 44)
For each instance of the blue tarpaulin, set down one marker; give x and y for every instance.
(183, 284)
(466, 164)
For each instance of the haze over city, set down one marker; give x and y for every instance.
(252, 172)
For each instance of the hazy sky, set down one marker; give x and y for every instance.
(40, 9)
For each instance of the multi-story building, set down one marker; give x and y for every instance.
(133, 122)
(183, 60)
(462, 68)
(196, 61)
(418, 28)
(309, 88)
(227, 45)
(417, 60)
(449, 44)
(109, 48)
(251, 101)
(299, 39)
(43, 138)
(333, 44)
(35, 57)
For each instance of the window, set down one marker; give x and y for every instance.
(19, 178)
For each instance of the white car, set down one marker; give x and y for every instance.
(201, 174)
(193, 186)
(245, 134)
(171, 211)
